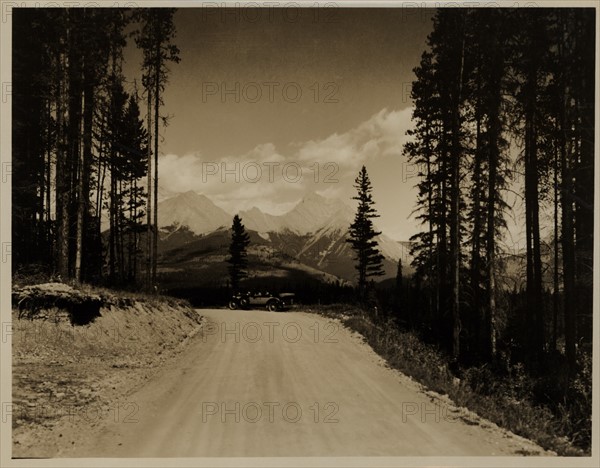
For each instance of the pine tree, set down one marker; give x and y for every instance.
(491, 44)
(135, 141)
(155, 39)
(532, 69)
(369, 261)
(451, 51)
(441, 139)
(238, 260)
(427, 150)
(490, 83)
(566, 103)
(457, 142)
(33, 132)
(56, 133)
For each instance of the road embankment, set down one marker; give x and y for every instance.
(79, 352)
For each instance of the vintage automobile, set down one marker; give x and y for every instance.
(272, 302)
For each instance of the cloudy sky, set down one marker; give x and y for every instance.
(268, 105)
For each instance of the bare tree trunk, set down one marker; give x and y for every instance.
(47, 195)
(494, 139)
(156, 117)
(129, 233)
(86, 164)
(559, 154)
(102, 180)
(149, 230)
(135, 231)
(118, 233)
(81, 206)
(534, 270)
(112, 215)
(431, 248)
(555, 296)
(477, 224)
(455, 209)
(442, 246)
(101, 171)
(490, 322)
(568, 236)
(583, 175)
(74, 132)
(62, 175)
(537, 258)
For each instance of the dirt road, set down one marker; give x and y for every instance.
(286, 384)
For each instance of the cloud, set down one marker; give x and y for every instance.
(274, 179)
(383, 134)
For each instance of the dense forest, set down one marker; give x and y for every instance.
(504, 107)
(504, 95)
(85, 154)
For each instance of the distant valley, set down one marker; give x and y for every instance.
(306, 244)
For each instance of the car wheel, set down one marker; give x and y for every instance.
(244, 302)
(233, 305)
(272, 306)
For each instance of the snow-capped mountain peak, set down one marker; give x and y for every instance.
(313, 232)
(315, 211)
(311, 214)
(195, 210)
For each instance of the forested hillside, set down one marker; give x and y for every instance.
(86, 141)
(504, 110)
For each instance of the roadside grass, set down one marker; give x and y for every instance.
(114, 296)
(154, 300)
(505, 400)
(69, 377)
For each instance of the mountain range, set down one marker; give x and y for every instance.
(202, 215)
(311, 236)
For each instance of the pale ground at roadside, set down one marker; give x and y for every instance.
(232, 393)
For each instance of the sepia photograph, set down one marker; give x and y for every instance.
(299, 234)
